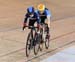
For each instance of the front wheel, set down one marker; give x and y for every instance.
(28, 44)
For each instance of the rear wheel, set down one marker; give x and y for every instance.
(37, 43)
(47, 42)
(47, 38)
(41, 43)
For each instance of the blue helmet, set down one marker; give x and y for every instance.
(30, 10)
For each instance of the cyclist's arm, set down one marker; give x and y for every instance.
(26, 18)
(48, 17)
(25, 21)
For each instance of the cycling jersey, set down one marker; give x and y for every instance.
(44, 15)
(35, 17)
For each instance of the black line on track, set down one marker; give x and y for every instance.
(50, 51)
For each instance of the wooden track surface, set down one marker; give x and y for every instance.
(13, 39)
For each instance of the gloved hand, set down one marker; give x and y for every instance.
(48, 25)
(24, 26)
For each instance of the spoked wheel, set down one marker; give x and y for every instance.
(37, 44)
(41, 43)
(47, 40)
(28, 45)
(41, 39)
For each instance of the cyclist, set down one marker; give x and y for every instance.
(32, 16)
(44, 14)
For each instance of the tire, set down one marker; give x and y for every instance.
(37, 44)
(41, 43)
(28, 44)
(47, 41)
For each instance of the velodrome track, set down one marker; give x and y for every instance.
(13, 39)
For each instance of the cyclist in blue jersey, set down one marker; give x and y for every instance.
(32, 16)
(44, 14)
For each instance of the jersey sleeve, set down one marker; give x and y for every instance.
(48, 13)
(26, 17)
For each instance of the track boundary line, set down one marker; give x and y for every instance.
(62, 18)
(12, 52)
(12, 40)
(59, 19)
(50, 39)
(63, 35)
(25, 48)
(51, 51)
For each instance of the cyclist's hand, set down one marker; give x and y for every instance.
(48, 25)
(24, 26)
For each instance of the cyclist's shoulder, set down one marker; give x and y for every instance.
(47, 11)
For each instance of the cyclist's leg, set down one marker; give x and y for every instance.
(47, 30)
(43, 27)
(31, 23)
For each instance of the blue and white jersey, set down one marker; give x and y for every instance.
(45, 13)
